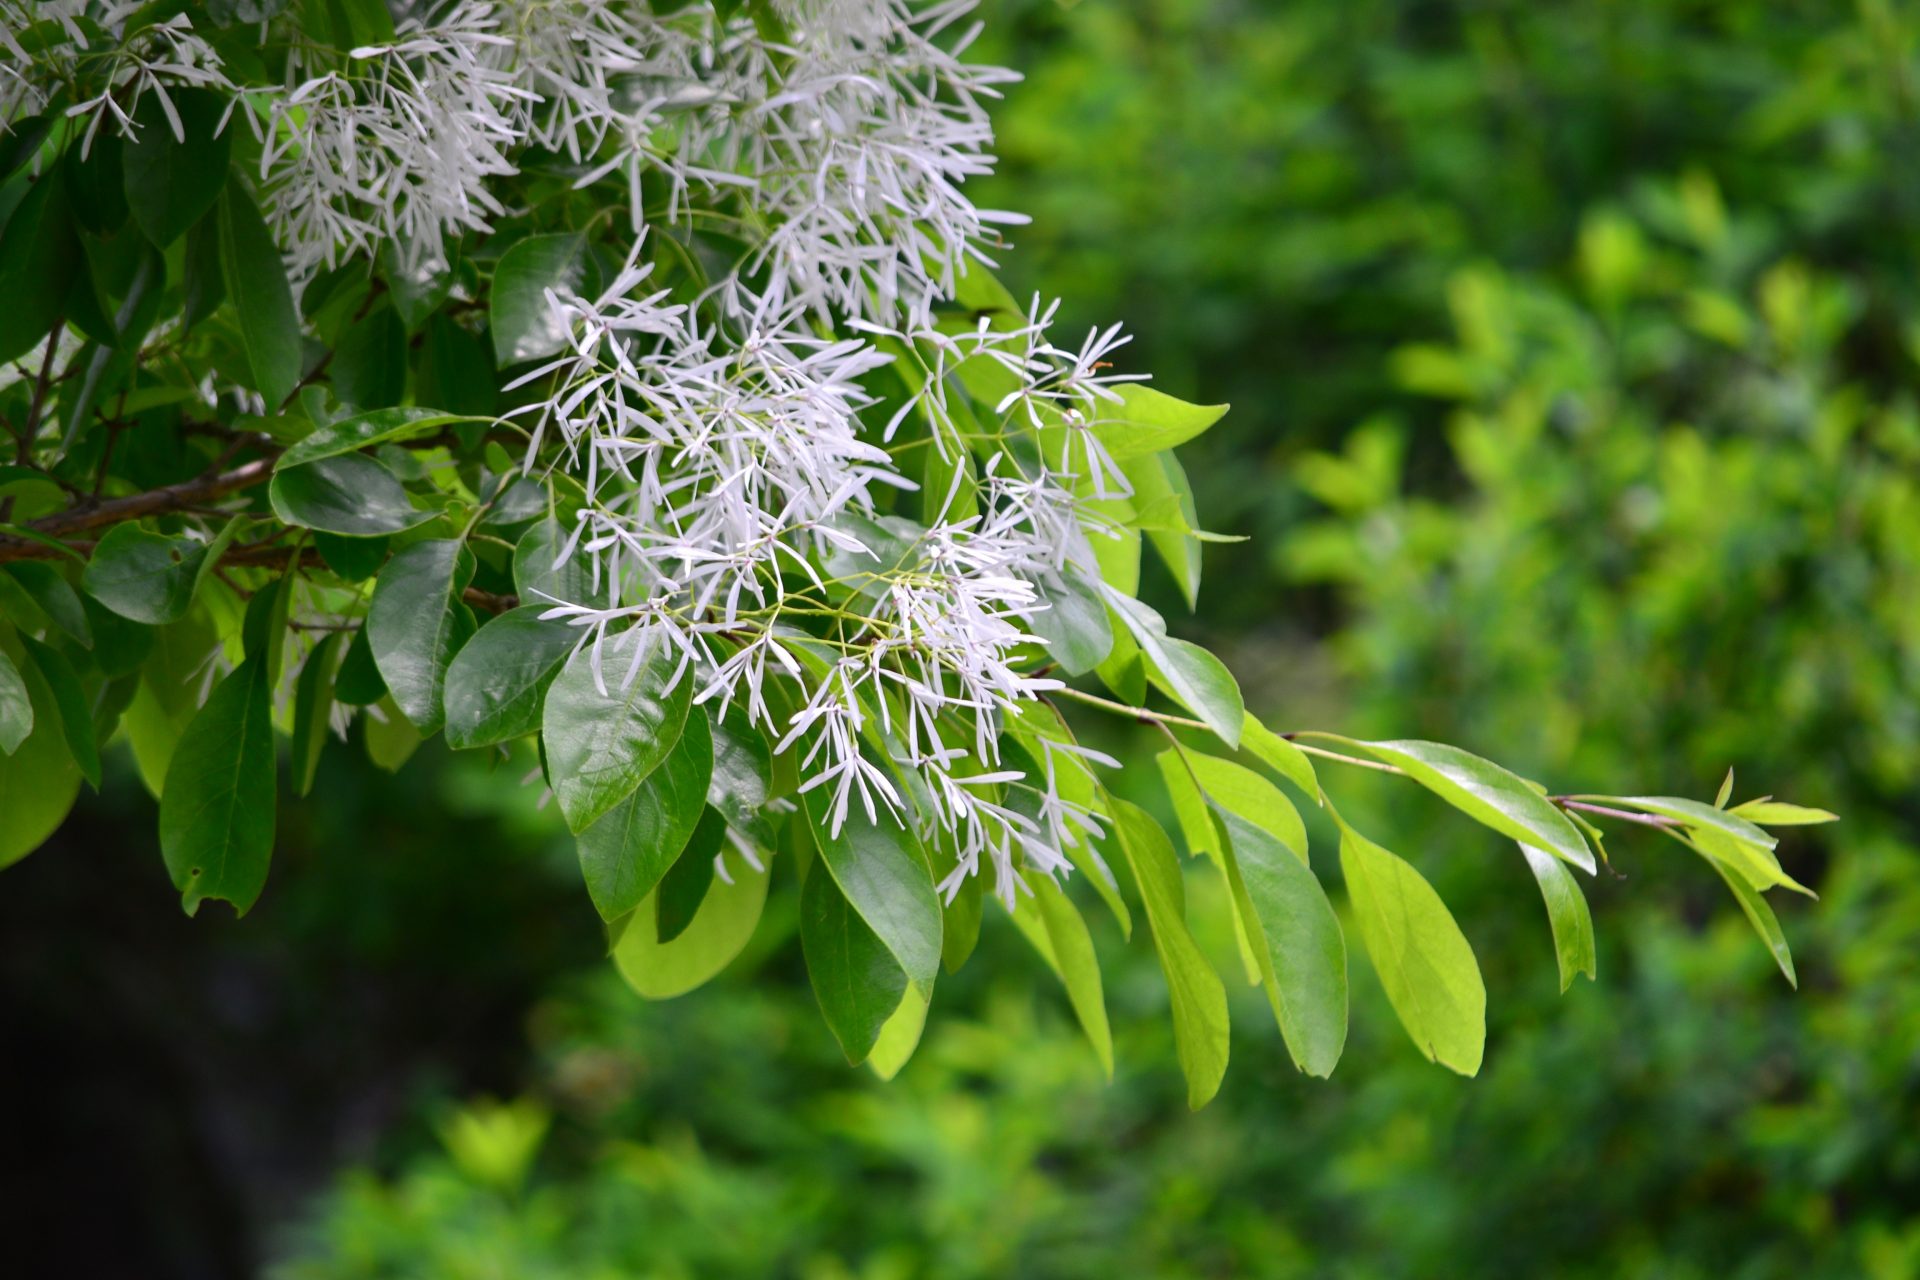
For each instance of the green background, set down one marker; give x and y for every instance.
(1572, 351)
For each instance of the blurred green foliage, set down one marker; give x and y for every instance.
(1573, 349)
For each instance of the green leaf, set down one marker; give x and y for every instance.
(1054, 927)
(39, 258)
(1423, 960)
(143, 576)
(1274, 751)
(256, 281)
(55, 597)
(312, 709)
(217, 809)
(1199, 1000)
(16, 707)
(96, 184)
(960, 925)
(524, 328)
(879, 866)
(1722, 835)
(1764, 922)
(369, 367)
(684, 887)
(624, 854)
(353, 559)
(900, 1034)
(855, 976)
(498, 680)
(1148, 421)
(70, 700)
(39, 780)
(1486, 793)
(364, 430)
(719, 932)
(1195, 678)
(415, 626)
(389, 737)
(742, 773)
(1776, 813)
(1238, 790)
(537, 580)
(1159, 478)
(1296, 939)
(171, 181)
(204, 281)
(1075, 624)
(359, 683)
(1567, 914)
(349, 494)
(601, 745)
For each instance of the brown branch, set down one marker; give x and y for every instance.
(197, 492)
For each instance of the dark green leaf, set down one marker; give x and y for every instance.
(602, 742)
(256, 280)
(364, 430)
(742, 773)
(312, 709)
(1075, 624)
(204, 284)
(499, 678)
(456, 370)
(538, 581)
(878, 865)
(70, 700)
(39, 258)
(143, 576)
(854, 974)
(369, 367)
(170, 181)
(359, 683)
(351, 494)
(16, 707)
(684, 887)
(217, 809)
(415, 626)
(524, 328)
(55, 597)
(625, 853)
(354, 559)
(95, 184)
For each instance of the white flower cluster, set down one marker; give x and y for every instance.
(723, 438)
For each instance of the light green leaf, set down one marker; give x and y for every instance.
(388, 735)
(349, 494)
(524, 327)
(880, 868)
(1241, 791)
(1764, 922)
(1198, 998)
(1053, 925)
(601, 745)
(1274, 751)
(217, 809)
(719, 932)
(1423, 960)
(854, 973)
(1148, 421)
(143, 576)
(256, 281)
(1158, 478)
(1567, 914)
(38, 781)
(1732, 839)
(1487, 793)
(1296, 938)
(171, 181)
(1776, 813)
(900, 1034)
(496, 683)
(1195, 678)
(364, 430)
(415, 626)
